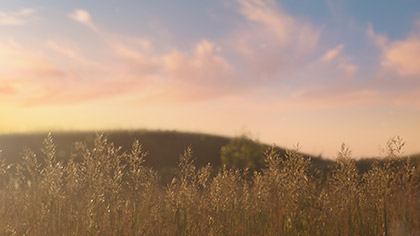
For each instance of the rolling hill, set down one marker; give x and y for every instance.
(164, 147)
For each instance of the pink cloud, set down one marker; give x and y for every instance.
(348, 68)
(336, 96)
(333, 61)
(329, 97)
(82, 16)
(174, 75)
(65, 50)
(319, 98)
(332, 53)
(348, 93)
(136, 60)
(403, 56)
(20, 62)
(202, 67)
(6, 88)
(273, 44)
(400, 56)
(272, 40)
(270, 48)
(15, 18)
(378, 39)
(72, 54)
(275, 41)
(51, 94)
(202, 73)
(178, 75)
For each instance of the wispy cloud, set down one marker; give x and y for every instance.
(72, 53)
(201, 67)
(271, 40)
(20, 62)
(269, 50)
(24, 73)
(332, 53)
(401, 56)
(20, 17)
(335, 96)
(6, 87)
(137, 60)
(181, 75)
(378, 39)
(203, 72)
(82, 16)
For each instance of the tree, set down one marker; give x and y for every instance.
(242, 152)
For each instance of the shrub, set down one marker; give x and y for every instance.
(243, 152)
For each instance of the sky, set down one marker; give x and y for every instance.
(317, 73)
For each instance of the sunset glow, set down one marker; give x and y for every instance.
(315, 73)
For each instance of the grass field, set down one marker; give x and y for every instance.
(98, 188)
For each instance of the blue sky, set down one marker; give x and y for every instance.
(315, 72)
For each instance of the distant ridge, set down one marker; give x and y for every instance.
(164, 147)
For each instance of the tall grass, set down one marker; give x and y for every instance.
(101, 190)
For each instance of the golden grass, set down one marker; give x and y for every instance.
(101, 190)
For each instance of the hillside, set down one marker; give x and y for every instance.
(164, 147)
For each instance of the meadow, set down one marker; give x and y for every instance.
(100, 188)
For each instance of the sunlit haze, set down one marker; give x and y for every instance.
(318, 73)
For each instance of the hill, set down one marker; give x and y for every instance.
(164, 147)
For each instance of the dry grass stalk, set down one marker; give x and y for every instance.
(101, 190)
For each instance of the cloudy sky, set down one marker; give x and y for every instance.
(318, 73)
